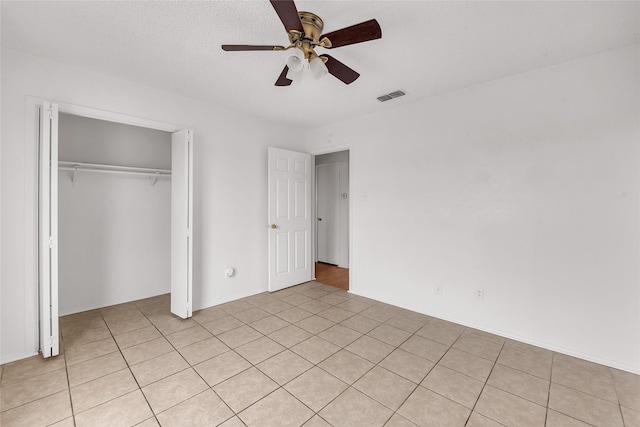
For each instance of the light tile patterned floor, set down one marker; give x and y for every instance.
(310, 355)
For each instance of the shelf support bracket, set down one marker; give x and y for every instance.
(75, 175)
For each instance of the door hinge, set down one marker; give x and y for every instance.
(50, 112)
(189, 232)
(51, 242)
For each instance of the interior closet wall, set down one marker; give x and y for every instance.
(114, 243)
(342, 158)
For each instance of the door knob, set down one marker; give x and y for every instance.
(319, 219)
(274, 226)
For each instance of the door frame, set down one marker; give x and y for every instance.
(32, 179)
(318, 152)
(291, 224)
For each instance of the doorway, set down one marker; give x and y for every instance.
(332, 219)
(293, 218)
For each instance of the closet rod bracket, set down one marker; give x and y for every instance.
(154, 178)
(75, 175)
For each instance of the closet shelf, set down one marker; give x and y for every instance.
(152, 174)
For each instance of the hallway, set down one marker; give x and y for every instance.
(332, 275)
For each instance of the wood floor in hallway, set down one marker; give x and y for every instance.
(332, 275)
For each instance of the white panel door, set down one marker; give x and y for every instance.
(289, 218)
(181, 222)
(48, 229)
(328, 204)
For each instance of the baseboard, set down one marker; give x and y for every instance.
(546, 345)
(74, 310)
(14, 358)
(235, 297)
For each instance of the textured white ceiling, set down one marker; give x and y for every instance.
(427, 47)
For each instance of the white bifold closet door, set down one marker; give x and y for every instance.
(181, 226)
(48, 229)
(181, 222)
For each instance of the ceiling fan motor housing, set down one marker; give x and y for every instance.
(313, 26)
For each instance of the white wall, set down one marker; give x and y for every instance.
(527, 187)
(230, 200)
(342, 158)
(83, 139)
(114, 230)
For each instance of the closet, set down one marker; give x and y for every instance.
(114, 213)
(116, 242)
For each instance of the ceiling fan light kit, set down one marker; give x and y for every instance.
(295, 75)
(296, 61)
(304, 30)
(317, 67)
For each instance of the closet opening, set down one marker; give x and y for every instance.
(114, 213)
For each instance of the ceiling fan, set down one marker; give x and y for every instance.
(305, 34)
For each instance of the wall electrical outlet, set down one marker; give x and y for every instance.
(439, 290)
(479, 293)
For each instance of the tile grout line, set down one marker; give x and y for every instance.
(434, 366)
(299, 375)
(395, 348)
(155, 416)
(615, 389)
(393, 411)
(546, 415)
(340, 348)
(484, 385)
(583, 391)
(190, 367)
(272, 379)
(551, 382)
(349, 386)
(66, 369)
(129, 366)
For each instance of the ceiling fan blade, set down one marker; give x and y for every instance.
(340, 71)
(288, 13)
(363, 32)
(283, 80)
(246, 47)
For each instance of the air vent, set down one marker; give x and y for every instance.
(392, 95)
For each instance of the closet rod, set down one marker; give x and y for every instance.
(153, 174)
(110, 168)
